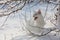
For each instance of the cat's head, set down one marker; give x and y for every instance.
(37, 14)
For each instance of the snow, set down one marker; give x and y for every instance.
(14, 29)
(48, 37)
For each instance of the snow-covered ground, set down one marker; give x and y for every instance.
(13, 28)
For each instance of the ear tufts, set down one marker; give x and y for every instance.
(39, 11)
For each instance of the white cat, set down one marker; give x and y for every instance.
(38, 23)
(39, 19)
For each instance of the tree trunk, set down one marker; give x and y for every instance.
(58, 15)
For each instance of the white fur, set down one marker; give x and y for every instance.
(38, 24)
(40, 20)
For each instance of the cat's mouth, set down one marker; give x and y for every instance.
(35, 18)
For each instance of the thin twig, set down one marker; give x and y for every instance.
(4, 21)
(33, 34)
(10, 8)
(13, 11)
(46, 10)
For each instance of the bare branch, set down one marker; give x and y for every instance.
(54, 3)
(8, 9)
(33, 34)
(1, 15)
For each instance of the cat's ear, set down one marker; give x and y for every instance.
(39, 11)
